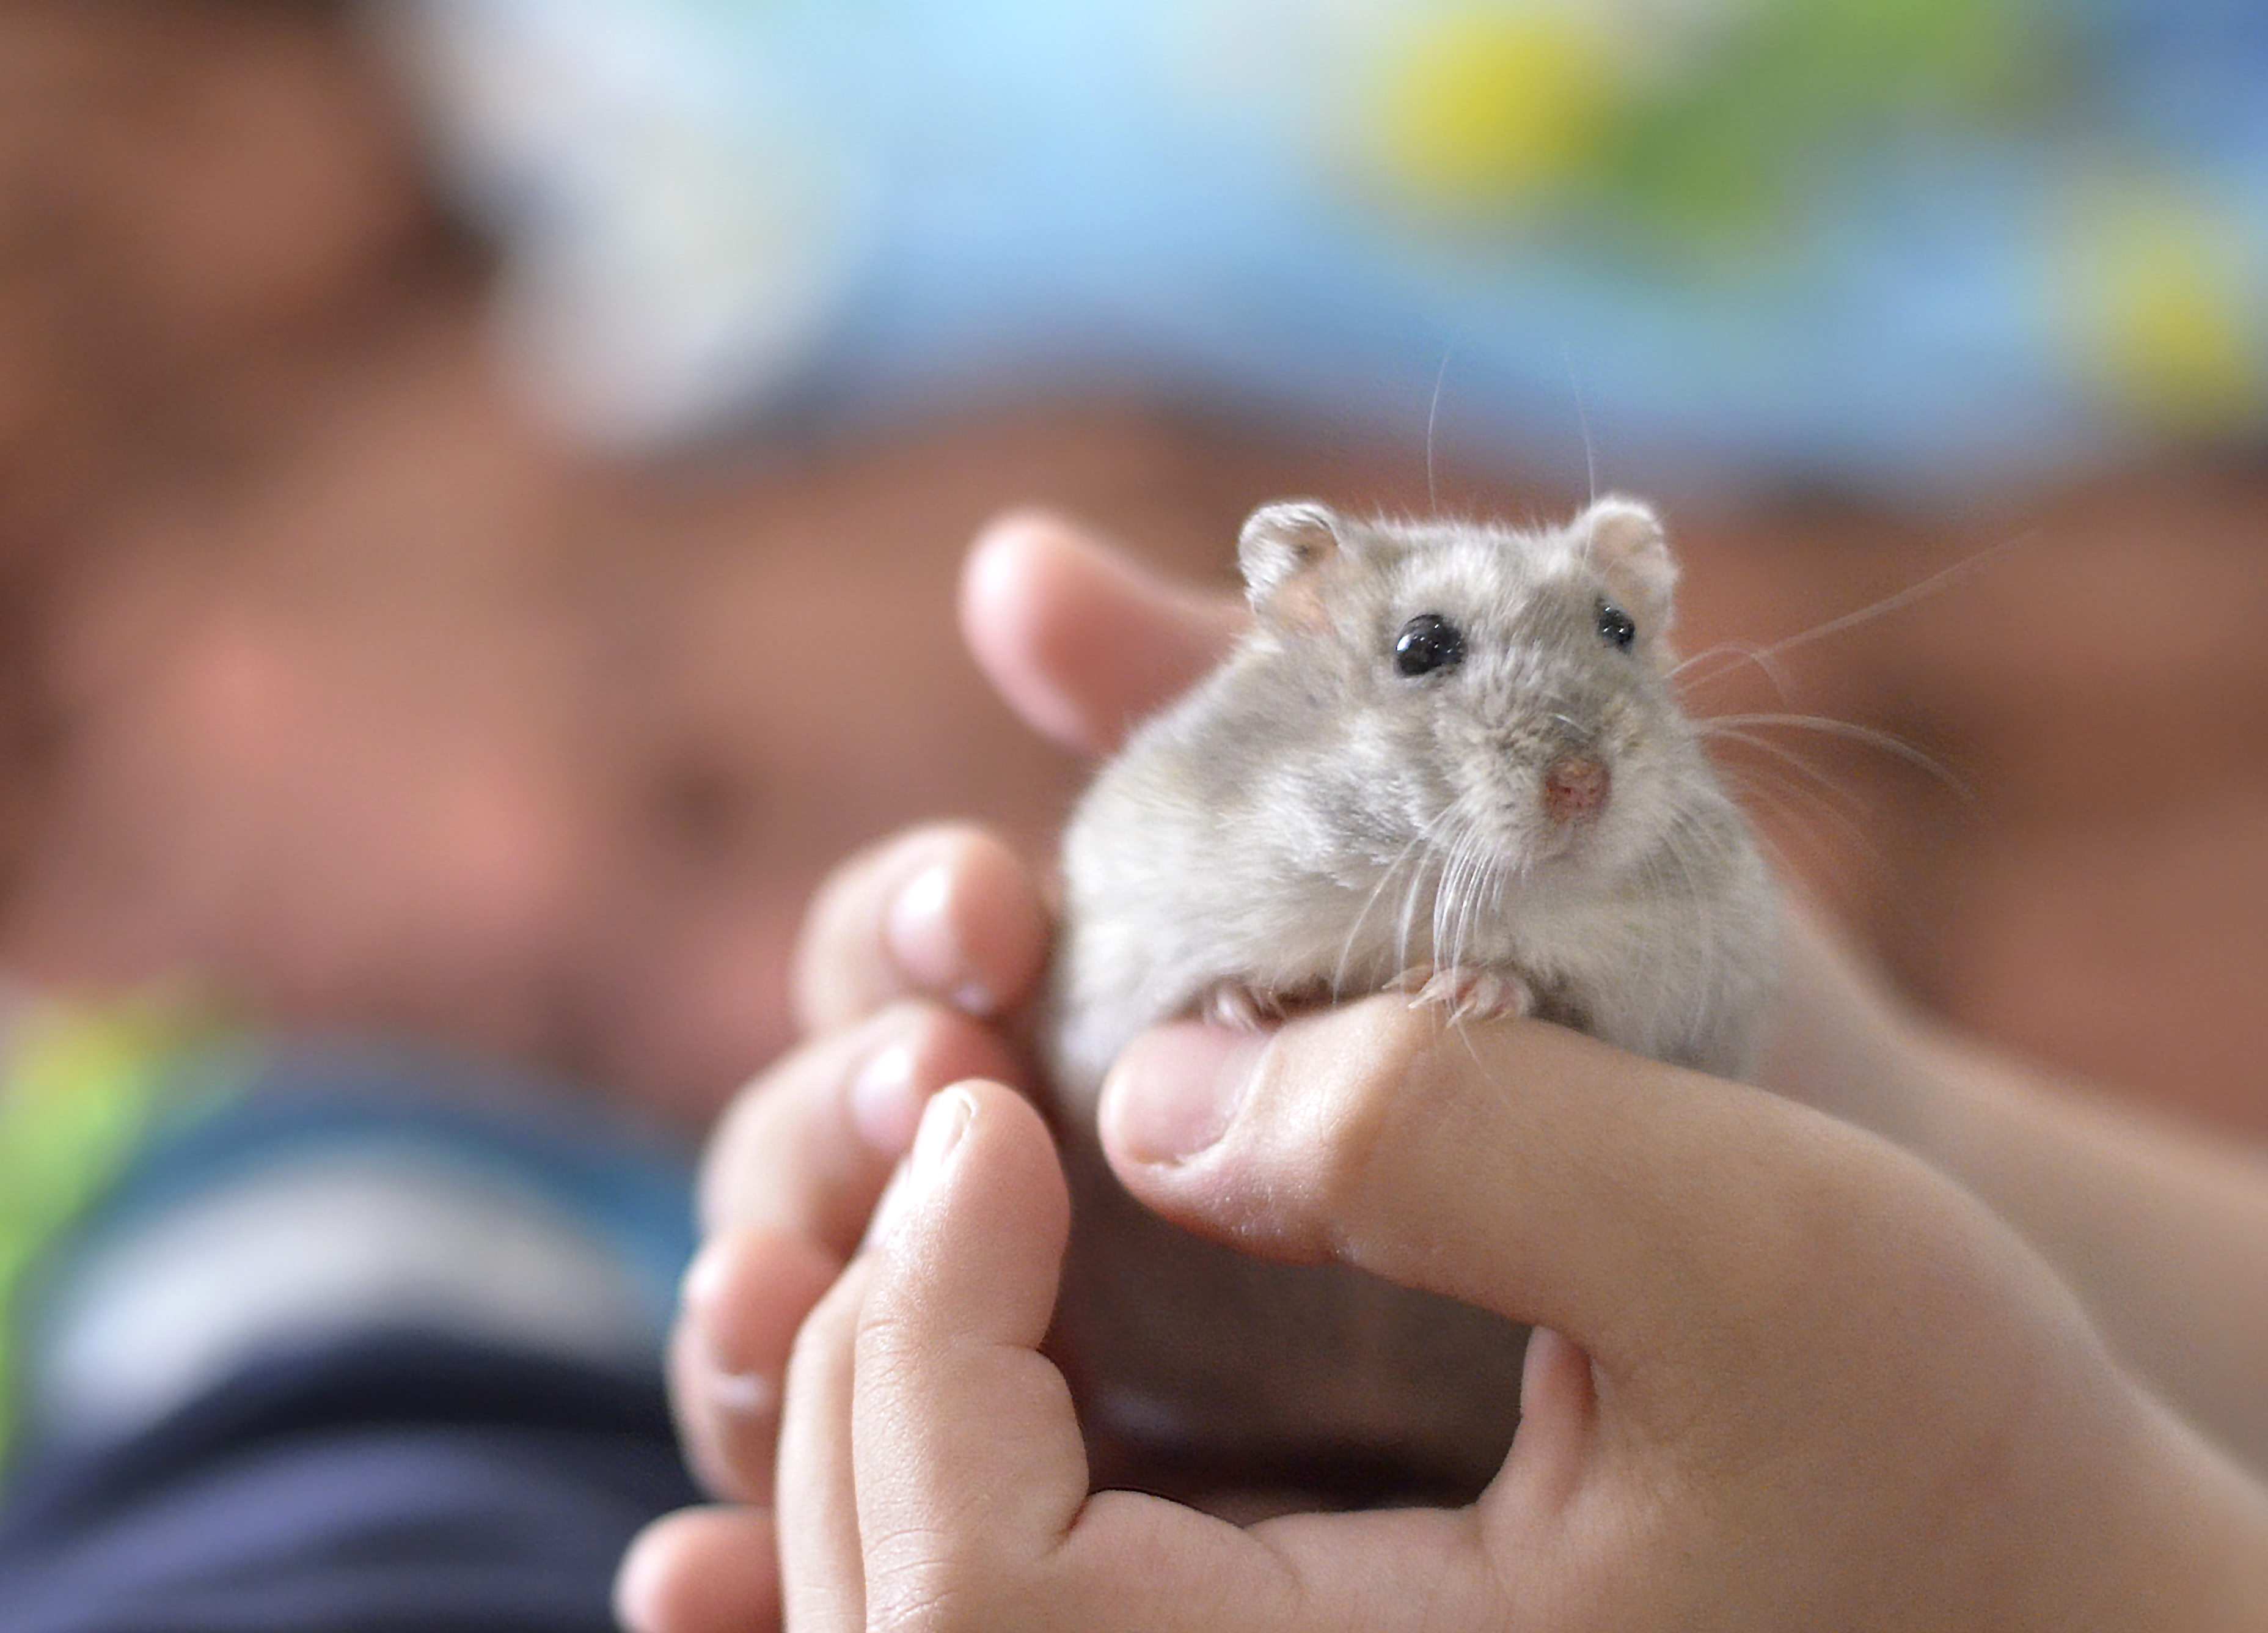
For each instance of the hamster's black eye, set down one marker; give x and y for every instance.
(1428, 642)
(1615, 626)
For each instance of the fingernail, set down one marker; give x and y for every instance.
(944, 1120)
(921, 938)
(885, 1107)
(731, 1385)
(742, 1394)
(1175, 1090)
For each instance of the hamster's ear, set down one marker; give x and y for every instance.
(1283, 552)
(1625, 541)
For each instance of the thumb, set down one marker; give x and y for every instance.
(1080, 641)
(1664, 1221)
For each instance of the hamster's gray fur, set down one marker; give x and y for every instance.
(1447, 758)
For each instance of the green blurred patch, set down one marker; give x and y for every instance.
(81, 1088)
(1716, 141)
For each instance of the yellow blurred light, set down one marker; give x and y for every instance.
(2170, 310)
(1493, 106)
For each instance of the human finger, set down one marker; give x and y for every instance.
(701, 1570)
(822, 1568)
(1080, 642)
(789, 1182)
(971, 1474)
(952, 1385)
(946, 912)
(971, 1477)
(806, 1146)
(745, 1296)
(1801, 1359)
(1661, 1219)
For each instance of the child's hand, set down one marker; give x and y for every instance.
(915, 961)
(1804, 1381)
(915, 964)
(912, 952)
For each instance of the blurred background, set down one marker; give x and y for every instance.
(481, 484)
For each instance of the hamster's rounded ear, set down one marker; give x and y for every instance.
(1282, 549)
(1625, 541)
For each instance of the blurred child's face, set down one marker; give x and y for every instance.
(447, 730)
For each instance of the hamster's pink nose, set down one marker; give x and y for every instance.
(1574, 788)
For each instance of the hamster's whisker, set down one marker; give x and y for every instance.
(1865, 735)
(1802, 814)
(1728, 656)
(1452, 908)
(1899, 599)
(1788, 758)
(1427, 863)
(1763, 655)
(1820, 799)
(1801, 806)
(1444, 895)
(1433, 414)
(1412, 854)
(1698, 844)
(1473, 880)
(1798, 834)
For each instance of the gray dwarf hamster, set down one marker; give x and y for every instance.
(1446, 759)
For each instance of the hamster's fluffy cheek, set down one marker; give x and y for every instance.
(1388, 791)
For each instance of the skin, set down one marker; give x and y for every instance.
(1886, 1359)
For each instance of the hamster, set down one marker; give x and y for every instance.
(1446, 759)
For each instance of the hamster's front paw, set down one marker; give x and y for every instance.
(1240, 1006)
(1468, 992)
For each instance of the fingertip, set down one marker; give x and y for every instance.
(967, 925)
(981, 1188)
(1023, 566)
(948, 912)
(741, 1301)
(943, 1122)
(701, 1570)
(914, 1049)
(1078, 638)
(885, 1097)
(747, 1290)
(643, 1580)
(1266, 1139)
(1173, 1092)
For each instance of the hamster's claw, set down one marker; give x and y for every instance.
(1240, 1007)
(1469, 992)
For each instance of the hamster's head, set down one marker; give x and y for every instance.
(1495, 696)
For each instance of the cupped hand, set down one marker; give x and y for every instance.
(909, 953)
(916, 961)
(1789, 1376)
